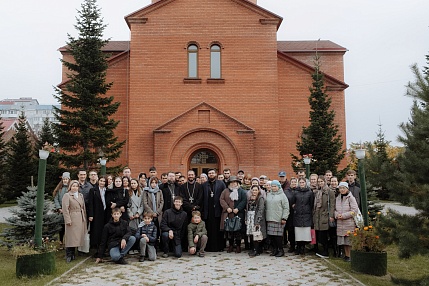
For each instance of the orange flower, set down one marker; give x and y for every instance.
(356, 229)
(377, 237)
(355, 234)
(370, 227)
(365, 228)
(379, 213)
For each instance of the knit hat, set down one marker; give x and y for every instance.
(344, 184)
(66, 175)
(276, 183)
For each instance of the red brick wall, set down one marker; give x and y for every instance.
(251, 121)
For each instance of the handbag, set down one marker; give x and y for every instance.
(313, 236)
(232, 224)
(358, 218)
(257, 234)
(85, 247)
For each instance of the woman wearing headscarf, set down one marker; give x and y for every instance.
(277, 212)
(96, 210)
(233, 202)
(345, 207)
(303, 215)
(153, 201)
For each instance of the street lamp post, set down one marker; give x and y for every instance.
(307, 161)
(103, 162)
(43, 156)
(360, 154)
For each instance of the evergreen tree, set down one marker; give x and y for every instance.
(53, 170)
(85, 124)
(379, 168)
(411, 183)
(3, 166)
(320, 138)
(20, 160)
(23, 221)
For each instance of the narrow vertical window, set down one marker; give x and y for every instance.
(192, 61)
(215, 61)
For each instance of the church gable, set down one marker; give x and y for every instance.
(204, 115)
(209, 8)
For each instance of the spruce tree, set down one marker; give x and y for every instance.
(379, 168)
(85, 125)
(320, 138)
(20, 160)
(53, 169)
(23, 219)
(411, 182)
(3, 166)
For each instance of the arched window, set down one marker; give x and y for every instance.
(215, 71)
(193, 61)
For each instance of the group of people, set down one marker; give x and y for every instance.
(149, 215)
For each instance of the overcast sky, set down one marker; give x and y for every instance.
(383, 38)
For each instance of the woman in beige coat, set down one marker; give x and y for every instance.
(74, 213)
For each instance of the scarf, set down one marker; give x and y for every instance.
(152, 192)
(234, 194)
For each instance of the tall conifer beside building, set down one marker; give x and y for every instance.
(320, 138)
(85, 124)
(20, 161)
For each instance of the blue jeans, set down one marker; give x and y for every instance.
(116, 252)
(165, 243)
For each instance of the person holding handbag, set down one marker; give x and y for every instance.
(233, 202)
(255, 219)
(345, 207)
(323, 214)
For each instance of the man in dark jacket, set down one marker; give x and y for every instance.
(117, 238)
(170, 190)
(353, 187)
(172, 228)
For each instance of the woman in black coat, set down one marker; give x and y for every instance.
(96, 209)
(303, 215)
(115, 198)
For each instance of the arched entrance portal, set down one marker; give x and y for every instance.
(202, 160)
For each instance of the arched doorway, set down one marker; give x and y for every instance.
(202, 160)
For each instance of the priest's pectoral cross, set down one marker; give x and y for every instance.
(212, 194)
(191, 200)
(173, 196)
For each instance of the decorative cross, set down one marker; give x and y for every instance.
(191, 200)
(203, 157)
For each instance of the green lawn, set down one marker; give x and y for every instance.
(8, 204)
(400, 271)
(7, 268)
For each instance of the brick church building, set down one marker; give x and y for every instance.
(207, 84)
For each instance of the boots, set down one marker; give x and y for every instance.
(279, 242)
(280, 253)
(291, 248)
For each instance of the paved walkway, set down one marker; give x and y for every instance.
(399, 208)
(214, 269)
